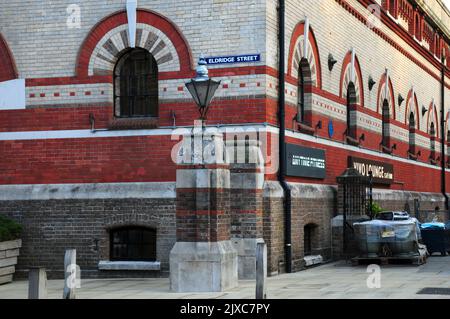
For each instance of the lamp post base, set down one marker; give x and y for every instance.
(203, 267)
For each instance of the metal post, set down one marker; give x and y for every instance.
(261, 270)
(37, 283)
(344, 228)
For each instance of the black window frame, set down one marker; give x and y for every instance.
(129, 257)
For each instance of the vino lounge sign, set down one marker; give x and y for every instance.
(383, 173)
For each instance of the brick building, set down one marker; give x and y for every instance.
(81, 166)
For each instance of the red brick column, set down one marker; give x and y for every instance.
(203, 203)
(203, 259)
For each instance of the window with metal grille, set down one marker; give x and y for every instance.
(133, 244)
(136, 85)
(385, 128)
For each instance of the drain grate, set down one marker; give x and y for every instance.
(434, 291)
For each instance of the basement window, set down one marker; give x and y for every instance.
(133, 244)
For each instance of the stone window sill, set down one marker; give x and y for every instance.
(386, 150)
(133, 123)
(306, 129)
(129, 265)
(352, 141)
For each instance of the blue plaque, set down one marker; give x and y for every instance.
(330, 128)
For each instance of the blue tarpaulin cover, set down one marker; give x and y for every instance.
(432, 225)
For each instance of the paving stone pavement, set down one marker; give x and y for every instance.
(334, 280)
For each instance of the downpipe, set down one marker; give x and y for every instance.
(282, 143)
(443, 136)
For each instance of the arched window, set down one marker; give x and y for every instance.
(136, 85)
(432, 142)
(351, 118)
(133, 244)
(417, 30)
(304, 86)
(412, 136)
(385, 127)
(437, 52)
(390, 6)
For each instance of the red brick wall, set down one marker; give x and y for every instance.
(91, 160)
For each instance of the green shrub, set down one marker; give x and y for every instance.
(376, 208)
(9, 229)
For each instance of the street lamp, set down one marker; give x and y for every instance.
(202, 88)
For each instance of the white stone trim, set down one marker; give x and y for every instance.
(151, 190)
(129, 265)
(12, 94)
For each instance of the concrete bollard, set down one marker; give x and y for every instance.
(261, 271)
(71, 274)
(37, 283)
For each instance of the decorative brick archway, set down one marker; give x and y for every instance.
(345, 79)
(106, 40)
(295, 55)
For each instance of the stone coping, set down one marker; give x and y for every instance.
(129, 265)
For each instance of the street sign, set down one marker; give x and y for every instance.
(247, 58)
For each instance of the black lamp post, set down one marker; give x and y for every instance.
(202, 88)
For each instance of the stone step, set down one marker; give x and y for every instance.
(12, 244)
(8, 262)
(7, 270)
(9, 253)
(6, 279)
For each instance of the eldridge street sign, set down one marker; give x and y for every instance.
(383, 173)
(305, 162)
(247, 58)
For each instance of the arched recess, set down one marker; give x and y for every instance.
(305, 68)
(412, 119)
(412, 106)
(381, 96)
(346, 75)
(433, 130)
(432, 117)
(296, 53)
(155, 33)
(8, 69)
(386, 107)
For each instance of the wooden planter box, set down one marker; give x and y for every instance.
(9, 251)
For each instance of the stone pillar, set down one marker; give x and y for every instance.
(203, 258)
(247, 181)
